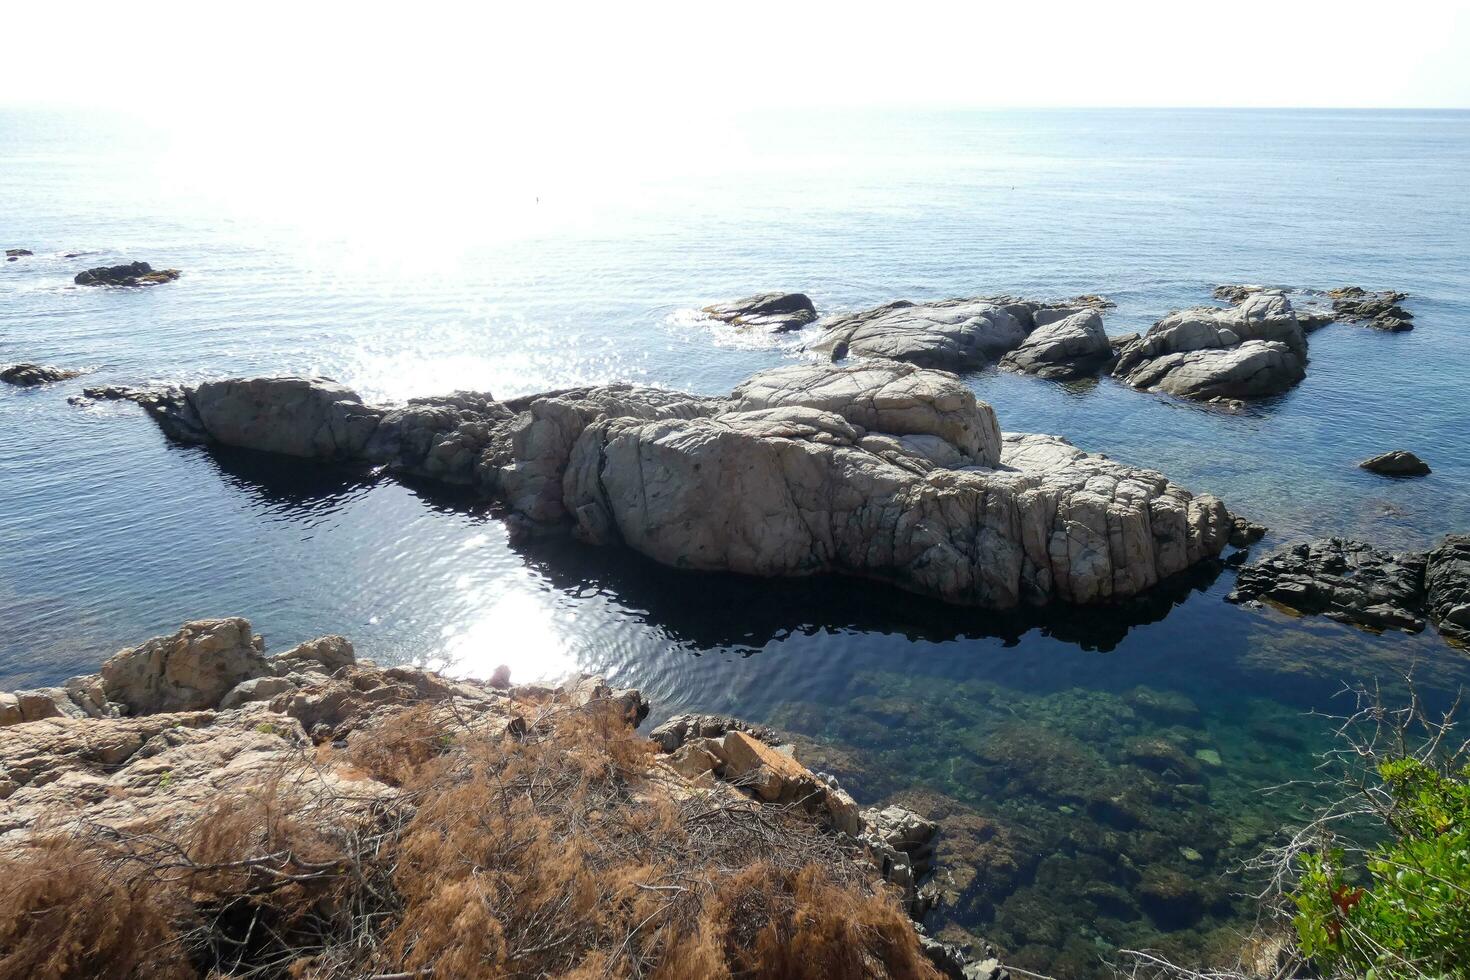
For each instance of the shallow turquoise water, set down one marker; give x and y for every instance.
(410, 275)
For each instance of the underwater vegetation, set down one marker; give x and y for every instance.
(1077, 821)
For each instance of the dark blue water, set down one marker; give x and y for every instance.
(410, 273)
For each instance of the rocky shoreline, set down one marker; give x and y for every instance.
(170, 730)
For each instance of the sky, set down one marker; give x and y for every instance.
(506, 63)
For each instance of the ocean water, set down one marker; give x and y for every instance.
(405, 263)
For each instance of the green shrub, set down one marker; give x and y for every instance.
(1400, 908)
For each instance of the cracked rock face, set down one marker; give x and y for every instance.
(1447, 586)
(1073, 346)
(791, 488)
(777, 312)
(1251, 350)
(1348, 581)
(306, 417)
(953, 334)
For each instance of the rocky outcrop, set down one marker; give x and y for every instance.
(308, 417)
(1073, 346)
(777, 312)
(1447, 586)
(1381, 311)
(29, 375)
(1244, 533)
(878, 469)
(1348, 581)
(1249, 351)
(791, 481)
(1397, 462)
(1353, 582)
(16, 254)
(955, 335)
(130, 274)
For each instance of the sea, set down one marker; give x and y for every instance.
(1104, 776)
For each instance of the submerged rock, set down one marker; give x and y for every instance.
(777, 312)
(1244, 533)
(131, 274)
(1348, 581)
(15, 254)
(1397, 462)
(28, 375)
(1254, 349)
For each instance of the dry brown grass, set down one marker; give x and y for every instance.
(555, 854)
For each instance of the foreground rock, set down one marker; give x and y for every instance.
(1251, 350)
(29, 375)
(954, 335)
(342, 780)
(1398, 462)
(130, 274)
(881, 470)
(1353, 582)
(777, 312)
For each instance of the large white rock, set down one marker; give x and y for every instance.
(1070, 346)
(1254, 349)
(798, 489)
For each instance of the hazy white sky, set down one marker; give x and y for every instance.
(519, 59)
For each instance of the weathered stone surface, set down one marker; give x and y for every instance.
(1073, 346)
(1248, 351)
(1447, 586)
(536, 446)
(190, 670)
(1397, 462)
(255, 689)
(325, 653)
(772, 776)
(794, 493)
(130, 274)
(14, 253)
(1344, 580)
(441, 438)
(890, 398)
(309, 417)
(678, 730)
(27, 375)
(1381, 310)
(771, 311)
(952, 334)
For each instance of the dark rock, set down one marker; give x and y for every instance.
(777, 312)
(1244, 533)
(1398, 462)
(1381, 311)
(26, 375)
(11, 254)
(1168, 707)
(1171, 899)
(1344, 580)
(131, 274)
(1447, 586)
